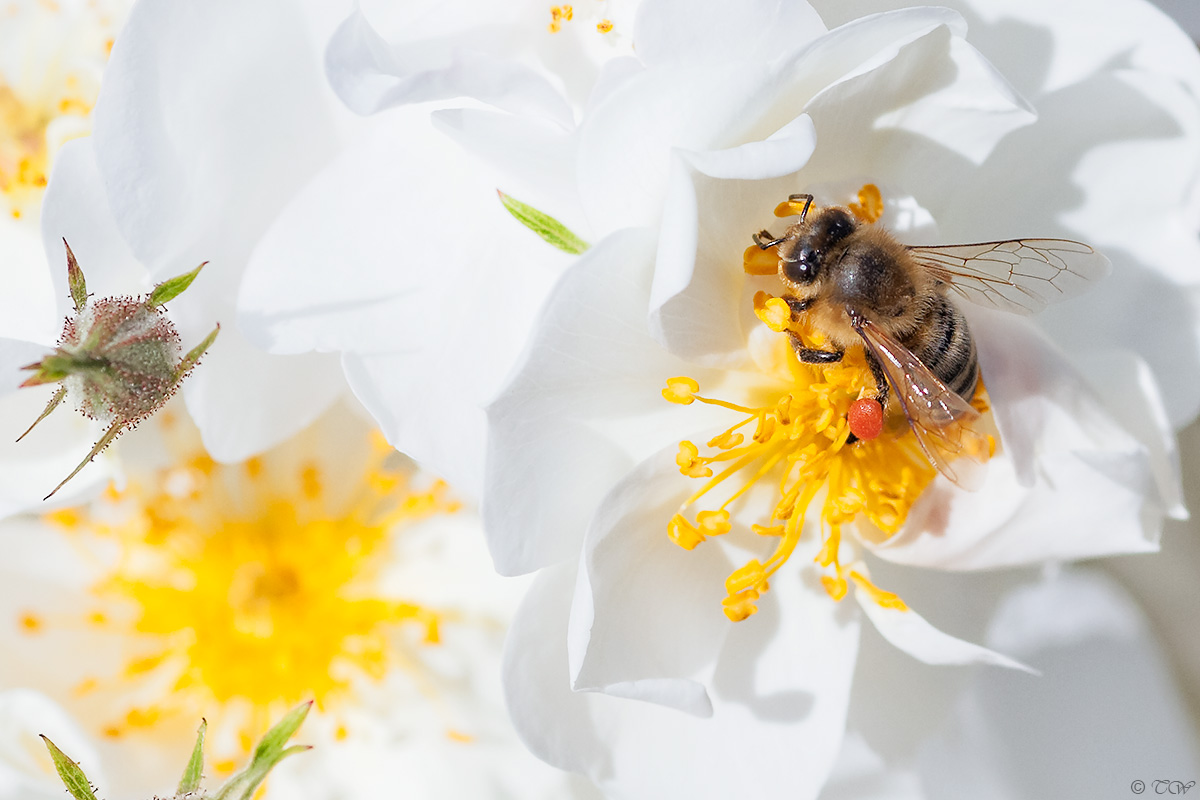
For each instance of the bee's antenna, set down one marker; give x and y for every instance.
(796, 198)
(764, 245)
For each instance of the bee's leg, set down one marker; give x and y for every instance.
(881, 382)
(809, 355)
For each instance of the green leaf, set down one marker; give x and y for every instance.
(173, 287)
(75, 281)
(269, 752)
(77, 783)
(190, 782)
(544, 225)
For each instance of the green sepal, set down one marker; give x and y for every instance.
(171, 288)
(194, 771)
(53, 404)
(269, 752)
(194, 355)
(75, 281)
(71, 774)
(544, 225)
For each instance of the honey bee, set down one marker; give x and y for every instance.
(856, 284)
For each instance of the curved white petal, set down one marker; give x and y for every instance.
(646, 621)
(370, 75)
(686, 31)
(199, 153)
(75, 208)
(779, 698)
(583, 407)
(910, 632)
(1101, 670)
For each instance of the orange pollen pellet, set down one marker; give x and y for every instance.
(865, 418)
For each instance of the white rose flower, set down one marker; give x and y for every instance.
(51, 59)
(328, 569)
(679, 156)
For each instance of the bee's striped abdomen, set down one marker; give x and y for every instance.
(943, 343)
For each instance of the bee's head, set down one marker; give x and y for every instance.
(808, 244)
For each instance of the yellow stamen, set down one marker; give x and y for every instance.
(869, 207)
(756, 261)
(248, 596)
(604, 26)
(802, 435)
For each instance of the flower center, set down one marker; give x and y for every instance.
(31, 129)
(257, 585)
(800, 440)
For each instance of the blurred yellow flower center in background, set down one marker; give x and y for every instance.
(24, 148)
(256, 585)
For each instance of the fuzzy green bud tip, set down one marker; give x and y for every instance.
(75, 281)
(173, 287)
(544, 225)
(70, 773)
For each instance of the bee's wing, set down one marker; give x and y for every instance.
(1021, 275)
(940, 419)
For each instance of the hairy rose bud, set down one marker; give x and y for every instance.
(118, 358)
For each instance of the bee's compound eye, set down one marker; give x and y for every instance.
(804, 268)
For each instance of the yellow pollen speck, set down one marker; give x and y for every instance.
(224, 767)
(604, 25)
(459, 736)
(31, 623)
(341, 733)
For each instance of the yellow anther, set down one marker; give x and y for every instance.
(681, 390)
(604, 26)
(767, 530)
(773, 311)
(740, 607)
(829, 550)
(791, 209)
(881, 597)
(756, 261)
(713, 523)
(835, 587)
(869, 207)
(690, 464)
(683, 533)
(726, 440)
(747, 577)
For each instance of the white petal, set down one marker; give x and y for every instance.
(31, 468)
(75, 208)
(370, 75)
(700, 304)
(779, 695)
(583, 407)
(26, 771)
(245, 401)
(1101, 671)
(909, 631)
(199, 153)
(691, 32)
(646, 621)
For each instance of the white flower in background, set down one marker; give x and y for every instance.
(679, 156)
(51, 58)
(328, 568)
